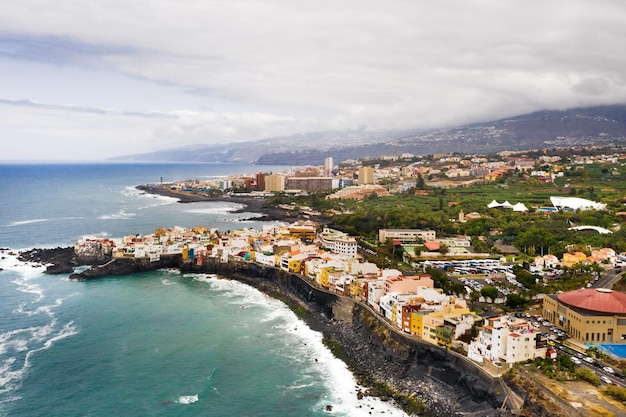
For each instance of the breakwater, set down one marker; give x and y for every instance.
(446, 382)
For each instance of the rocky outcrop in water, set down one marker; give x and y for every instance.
(127, 266)
(60, 260)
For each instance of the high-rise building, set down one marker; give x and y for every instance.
(309, 183)
(260, 181)
(366, 175)
(275, 183)
(328, 166)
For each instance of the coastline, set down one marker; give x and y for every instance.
(252, 204)
(387, 366)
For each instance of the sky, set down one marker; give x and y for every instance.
(93, 79)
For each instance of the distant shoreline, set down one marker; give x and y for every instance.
(252, 204)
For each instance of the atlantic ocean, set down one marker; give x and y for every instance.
(153, 344)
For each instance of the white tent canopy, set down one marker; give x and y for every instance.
(576, 203)
(520, 207)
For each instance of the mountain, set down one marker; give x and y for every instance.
(548, 128)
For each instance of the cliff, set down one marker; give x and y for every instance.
(392, 364)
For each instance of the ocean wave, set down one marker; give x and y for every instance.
(30, 221)
(155, 199)
(13, 369)
(187, 399)
(40, 220)
(120, 215)
(300, 386)
(96, 235)
(217, 208)
(302, 345)
(29, 288)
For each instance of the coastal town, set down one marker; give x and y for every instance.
(450, 291)
(411, 303)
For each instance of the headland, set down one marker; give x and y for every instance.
(252, 204)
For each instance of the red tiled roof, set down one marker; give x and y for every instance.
(596, 299)
(432, 245)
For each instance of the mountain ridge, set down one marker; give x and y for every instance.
(595, 125)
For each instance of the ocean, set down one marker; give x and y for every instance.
(153, 344)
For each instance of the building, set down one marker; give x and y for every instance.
(506, 339)
(590, 315)
(366, 175)
(260, 181)
(405, 235)
(306, 229)
(309, 183)
(359, 192)
(275, 183)
(328, 166)
(338, 242)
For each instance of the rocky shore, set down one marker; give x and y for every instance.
(252, 204)
(422, 378)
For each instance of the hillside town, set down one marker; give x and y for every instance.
(387, 175)
(523, 274)
(411, 303)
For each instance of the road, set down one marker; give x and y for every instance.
(596, 366)
(608, 278)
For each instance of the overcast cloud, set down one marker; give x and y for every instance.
(91, 79)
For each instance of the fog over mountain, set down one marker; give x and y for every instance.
(549, 128)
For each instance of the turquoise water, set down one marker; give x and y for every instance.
(152, 344)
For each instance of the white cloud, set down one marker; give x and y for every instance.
(239, 70)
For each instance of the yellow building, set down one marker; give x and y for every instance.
(570, 259)
(590, 315)
(417, 323)
(366, 175)
(274, 183)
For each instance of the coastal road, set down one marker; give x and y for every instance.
(596, 366)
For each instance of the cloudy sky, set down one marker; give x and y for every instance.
(91, 79)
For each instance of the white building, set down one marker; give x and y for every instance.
(406, 235)
(506, 339)
(338, 242)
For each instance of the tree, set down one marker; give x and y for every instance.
(489, 292)
(515, 301)
(474, 296)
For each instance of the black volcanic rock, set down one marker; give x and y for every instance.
(59, 260)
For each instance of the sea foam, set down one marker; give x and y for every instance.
(306, 346)
(187, 399)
